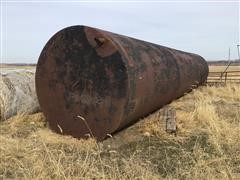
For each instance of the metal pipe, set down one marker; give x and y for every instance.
(109, 80)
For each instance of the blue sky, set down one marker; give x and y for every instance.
(205, 28)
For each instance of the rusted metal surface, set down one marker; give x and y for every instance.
(108, 79)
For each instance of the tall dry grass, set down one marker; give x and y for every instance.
(207, 145)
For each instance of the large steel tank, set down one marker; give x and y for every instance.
(90, 81)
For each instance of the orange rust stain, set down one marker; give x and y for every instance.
(105, 47)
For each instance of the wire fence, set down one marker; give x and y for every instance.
(223, 77)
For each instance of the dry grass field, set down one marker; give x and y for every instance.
(206, 146)
(222, 68)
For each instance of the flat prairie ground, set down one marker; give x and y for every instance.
(4, 68)
(222, 68)
(206, 145)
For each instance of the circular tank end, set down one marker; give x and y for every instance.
(81, 83)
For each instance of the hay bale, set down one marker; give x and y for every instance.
(17, 93)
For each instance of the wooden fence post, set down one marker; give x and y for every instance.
(225, 77)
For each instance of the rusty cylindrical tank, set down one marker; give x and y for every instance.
(109, 80)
